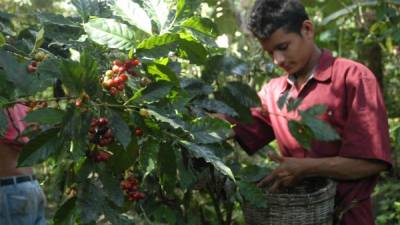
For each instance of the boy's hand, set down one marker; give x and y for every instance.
(288, 173)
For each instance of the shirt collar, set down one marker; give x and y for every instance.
(322, 73)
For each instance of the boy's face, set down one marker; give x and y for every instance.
(291, 51)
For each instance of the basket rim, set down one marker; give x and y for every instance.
(325, 193)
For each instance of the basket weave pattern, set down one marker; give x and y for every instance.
(309, 203)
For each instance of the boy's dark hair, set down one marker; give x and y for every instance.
(267, 16)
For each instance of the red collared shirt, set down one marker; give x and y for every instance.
(355, 108)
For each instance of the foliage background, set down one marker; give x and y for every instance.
(367, 31)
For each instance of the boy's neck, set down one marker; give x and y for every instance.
(303, 75)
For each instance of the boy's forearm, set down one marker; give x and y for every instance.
(343, 168)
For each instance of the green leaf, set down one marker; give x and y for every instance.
(3, 123)
(47, 116)
(293, 104)
(253, 195)
(132, 13)
(301, 133)
(75, 129)
(122, 159)
(111, 187)
(166, 163)
(156, 91)
(65, 214)
(186, 8)
(40, 148)
(119, 128)
(17, 73)
(228, 65)
(162, 72)
(39, 40)
(111, 33)
(158, 46)
(244, 94)
(148, 155)
(86, 8)
(81, 76)
(213, 105)
(116, 217)
(173, 122)
(2, 40)
(240, 97)
(193, 51)
(209, 130)
(315, 110)
(282, 100)
(200, 151)
(49, 69)
(202, 25)
(57, 19)
(158, 11)
(321, 130)
(91, 202)
(196, 87)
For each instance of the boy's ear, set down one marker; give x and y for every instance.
(307, 29)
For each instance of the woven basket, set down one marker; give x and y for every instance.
(309, 203)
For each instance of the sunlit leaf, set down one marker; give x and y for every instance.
(200, 151)
(111, 33)
(132, 13)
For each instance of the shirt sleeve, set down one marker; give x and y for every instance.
(254, 135)
(365, 134)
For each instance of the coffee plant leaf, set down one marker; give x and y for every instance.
(315, 110)
(49, 116)
(40, 148)
(202, 25)
(158, 46)
(3, 122)
(301, 133)
(7, 89)
(172, 121)
(209, 130)
(186, 8)
(155, 91)
(159, 12)
(225, 95)
(253, 195)
(122, 159)
(193, 51)
(148, 154)
(17, 73)
(167, 167)
(86, 8)
(75, 129)
(196, 87)
(49, 70)
(2, 40)
(162, 72)
(119, 128)
(66, 213)
(201, 151)
(111, 187)
(213, 105)
(116, 217)
(110, 33)
(132, 13)
(321, 130)
(50, 18)
(244, 94)
(91, 201)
